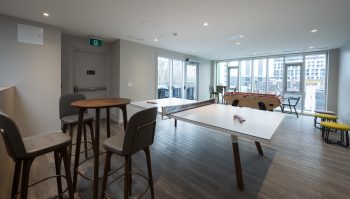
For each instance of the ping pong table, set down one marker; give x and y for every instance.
(259, 126)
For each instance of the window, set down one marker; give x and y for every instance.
(293, 78)
(315, 85)
(275, 76)
(163, 77)
(221, 78)
(300, 75)
(259, 83)
(246, 75)
(177, 78)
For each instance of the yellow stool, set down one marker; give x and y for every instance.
(324, 118)
(344, 132)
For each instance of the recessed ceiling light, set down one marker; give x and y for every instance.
(217, 57)
(205, 24)
(155, 40)
(314, 30)
(311, 47)
(238, 43)
(46, 14)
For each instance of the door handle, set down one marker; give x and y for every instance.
(75, 89)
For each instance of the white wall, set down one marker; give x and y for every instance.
(138, 66)
(35, 71)
(344, 84)
(333, 76)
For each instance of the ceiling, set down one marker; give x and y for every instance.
(269, 26)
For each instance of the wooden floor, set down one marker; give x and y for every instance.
(194, 162)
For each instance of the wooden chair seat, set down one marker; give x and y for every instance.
(41, 144)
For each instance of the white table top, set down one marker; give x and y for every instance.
(258, 126)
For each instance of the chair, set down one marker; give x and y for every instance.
(221, 91)
(291, 102)
(213, 94)
(139, 135)
(24, 151)
(70, 116)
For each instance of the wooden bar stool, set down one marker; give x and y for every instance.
(24, 151)
(344, 132)
(139, 135)
(324, 118)
(69, 117)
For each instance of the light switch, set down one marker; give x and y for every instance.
(130, 84)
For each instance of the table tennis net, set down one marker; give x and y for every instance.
(178, 108)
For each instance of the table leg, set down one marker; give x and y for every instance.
(77, 149)
(96, 152)
(237, 159)
(175, 122)
(108, 124)
(258, 147)
(125, 118)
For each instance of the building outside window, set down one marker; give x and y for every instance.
(302, 75)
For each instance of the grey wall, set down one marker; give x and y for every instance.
(35, 71)
(333, 75)
(7, 106)
(69, 45)
(344, 84)
(138, 66)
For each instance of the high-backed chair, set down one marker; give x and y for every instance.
(24, 151)
(213, 93)
(139, 135)
(70, 116)
(292, 102)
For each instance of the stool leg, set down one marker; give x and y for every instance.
(66, 157)
(105, 174)
(327, 135)
(27, 163)
(126, 177)
(347, 138)
(71, 144)
(64, 128)
(85, 141)
(16, 176)
(130, 176)
(58, 173)
(149, 169)
(342, 136)
(91, 133)
(315, 120)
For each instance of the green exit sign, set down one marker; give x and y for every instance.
(95, 42)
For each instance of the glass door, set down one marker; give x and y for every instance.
(191, 80)
(233, 74)
(177, 86)
(163, 77)
(293, 86)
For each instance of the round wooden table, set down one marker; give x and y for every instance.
(96, 104)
